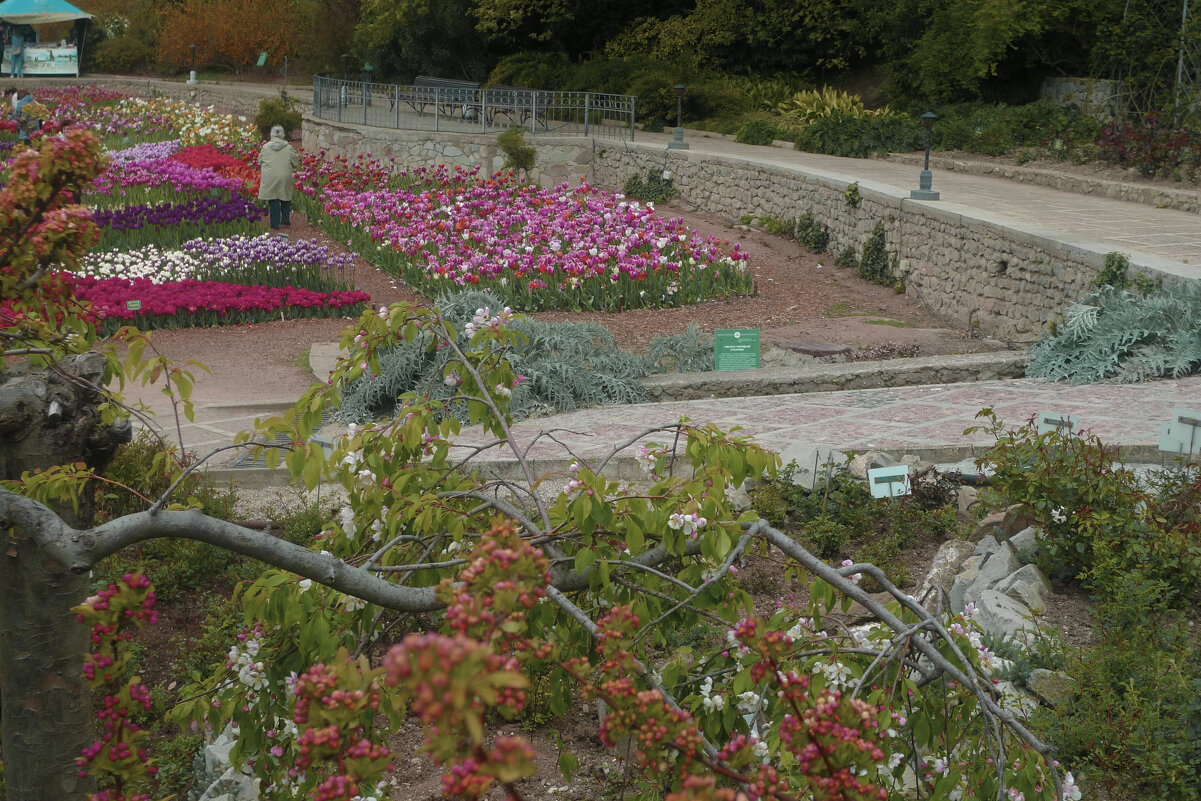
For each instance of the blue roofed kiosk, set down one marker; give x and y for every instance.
(43, 58)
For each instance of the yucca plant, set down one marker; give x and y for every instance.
(812, 104)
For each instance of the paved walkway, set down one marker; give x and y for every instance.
(928, 421)
(1165, 239)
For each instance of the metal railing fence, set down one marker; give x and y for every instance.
(456, 110)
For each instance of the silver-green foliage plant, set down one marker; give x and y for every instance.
(1115, 335)
(565, 365)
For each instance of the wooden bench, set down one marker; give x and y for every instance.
(449, 95)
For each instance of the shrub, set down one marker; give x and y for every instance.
(875, 265)
(123, 54)
(566, 365)
(1099, 522)
(1114, 273)
(843, 134)
(518, 155)
(775, 225)
(814, 236)
(1115, 335)
(759, 132)
(1134, 720)
(655, 189)
(847, 258)
(282, 110)
(841, 519)
(1151, 147)
(997, 130)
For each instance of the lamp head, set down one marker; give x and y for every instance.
(679, 87)
(928, 119)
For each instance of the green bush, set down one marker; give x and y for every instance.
(1099, 522)
(759, 132)
(655, 189)
(1133, 723)
(282, 110)
(123, 54)
(1115, 335)
(875, 266)
(518, 155)
(998, 130)
(813, 235)
(847, 258)
(566, 365)
(843, 134)
(840, 518)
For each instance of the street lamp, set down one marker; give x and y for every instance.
(192, 75)
(926, 180)
(677, 142)
(346, 66)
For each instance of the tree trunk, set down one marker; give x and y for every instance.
(47, 419)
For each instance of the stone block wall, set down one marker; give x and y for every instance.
(966, 271)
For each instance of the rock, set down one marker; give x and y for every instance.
(995, 568)
(738, 497)
(1052, 686)
(813, 347)
(1017, 518)
(812, 461)
(988, 526)
(1018, 701)
(1001, 615)
(1004, 525)
(967, 574)
(966, 498)
(863, 462)
(1028, 585)
(917, 465)
(986, 546)
(946, 565)
(1025, 543)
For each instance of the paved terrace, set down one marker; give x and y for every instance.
(929, 419)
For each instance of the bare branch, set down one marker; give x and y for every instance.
(154, 509)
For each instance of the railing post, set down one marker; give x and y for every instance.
(341, 99)
(396, 103)
(437, 108)
(316, 95)
(366, 89)
(587, 110)
(633, 116)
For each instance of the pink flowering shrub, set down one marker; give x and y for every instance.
(117, 760)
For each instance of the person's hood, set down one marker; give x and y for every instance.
(277, 144)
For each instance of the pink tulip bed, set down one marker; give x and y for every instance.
(566, 248)
(180, 228)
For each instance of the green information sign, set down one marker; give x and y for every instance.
(133, 305)
(262, 59)
(737, 349)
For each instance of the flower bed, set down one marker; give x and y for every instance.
(178, 218)
(188, 303)
(561, 248)
(263, 260)
(169, 224)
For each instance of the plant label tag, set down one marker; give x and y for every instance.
(1169, 440)
(262, 62)
(736, 349)
(1052, 421)
(1185, 427)
(889, 482)
(133, 305)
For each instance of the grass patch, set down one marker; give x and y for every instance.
(302, 361)
(893, 323)
(843, 309)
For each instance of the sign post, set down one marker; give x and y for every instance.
(736, 349)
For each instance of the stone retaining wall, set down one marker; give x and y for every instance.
(834, 377)
(967, 270)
